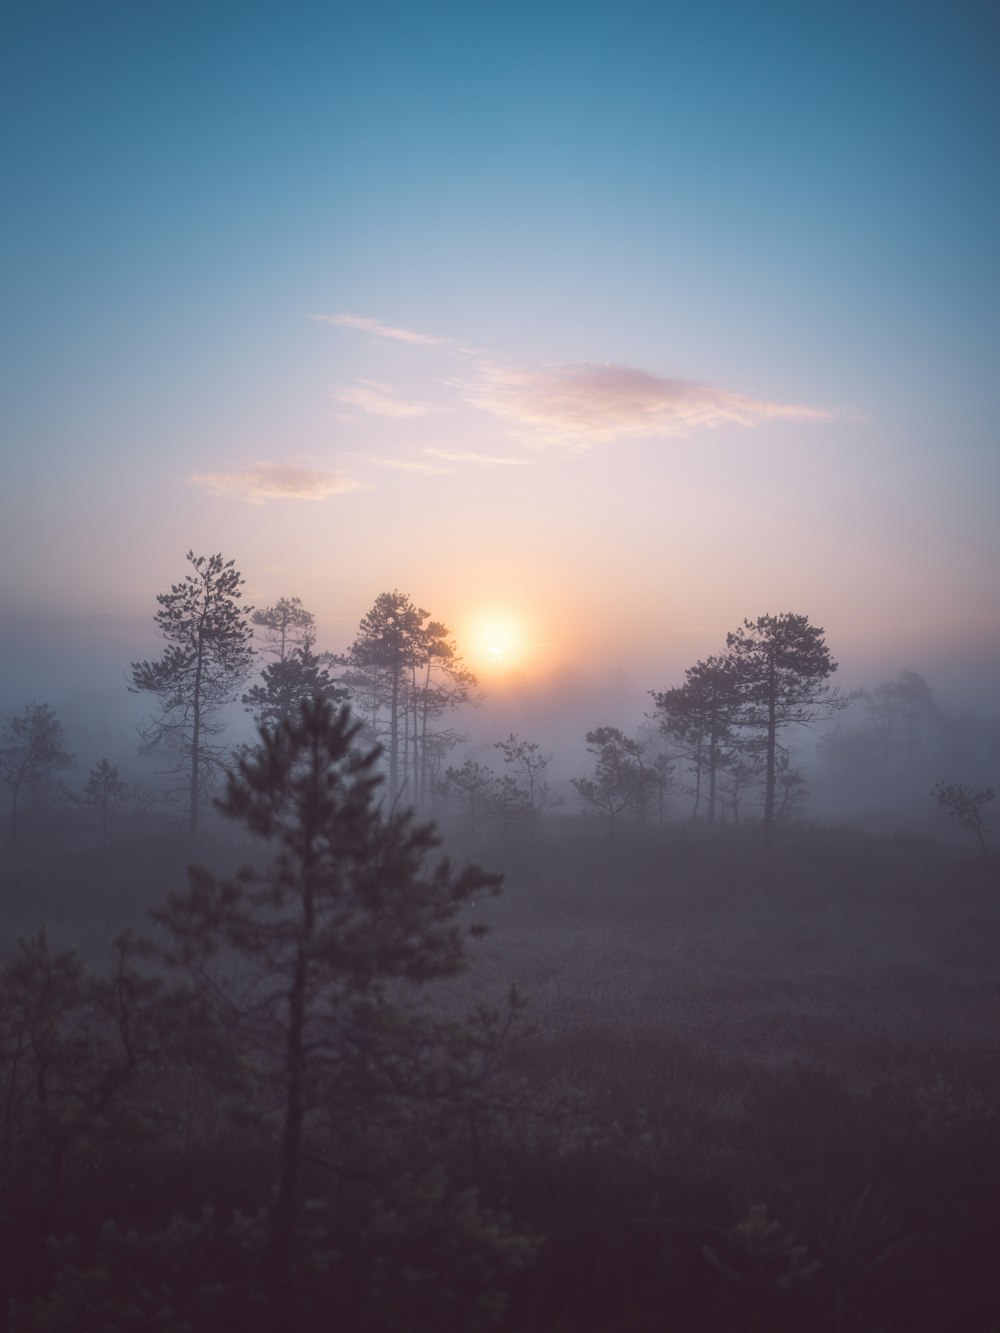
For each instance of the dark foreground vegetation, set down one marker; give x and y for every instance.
(749, 1090)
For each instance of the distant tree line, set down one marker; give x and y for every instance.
(721, 739)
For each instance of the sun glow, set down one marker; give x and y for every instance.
(495, 642)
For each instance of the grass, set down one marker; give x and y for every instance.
(777, 1077)
(814, 1034)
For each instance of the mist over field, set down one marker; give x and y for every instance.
(699, 1014)
(499, 668)
(80, 664)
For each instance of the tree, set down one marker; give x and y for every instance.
(104, 790)
(285, 626)
(325, 939)
(439, 682)
(32, 750)
(699, 715)
(783, 665)
(529, 763)
(898, 708)
(791, 791)
(741, 770)
(209, 657)
(80, 1058)
(287, 683)
(390, 645)
(411, 668)
(965, 805)
(476, 788)
(620, 782)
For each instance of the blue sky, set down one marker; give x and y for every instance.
(637, 319)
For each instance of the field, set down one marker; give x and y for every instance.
(751, 1092)
(813, 1034)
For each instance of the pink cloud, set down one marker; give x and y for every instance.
(413, 465)
(363, 324)
(275, 481)
(380, 400)
(483, 460)
(586, 403)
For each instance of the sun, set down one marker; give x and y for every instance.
(496, 642)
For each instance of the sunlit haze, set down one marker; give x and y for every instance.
(593, 328)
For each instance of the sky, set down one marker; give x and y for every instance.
(594, 328)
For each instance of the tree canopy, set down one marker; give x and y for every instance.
(208, 658)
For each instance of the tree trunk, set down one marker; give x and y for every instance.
(423, 737)
(282, 1221)
(394, 736)
(15, 793)
(772, 739)
(196, 744)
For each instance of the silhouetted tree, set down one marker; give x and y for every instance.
(474, 784)
(620, 782)
(741, 771)
(104, 790)
(32, 750)
(287, 683)
(405, 663)
(783, 665)
(208, 659)
(965, 805)
(699, 716)
(285, 626)
(528, 763)
(899, 708)
(439, 683)
(437, 746)
(511, 802)
(80, 1054)
(347, 909)
(791, 791)
(390, 645)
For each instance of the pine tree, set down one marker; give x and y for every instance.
(104, 789)
(621, 782)
(32, 750)
(208, 658)
(289, 682)
(346, 912)
(783, 665)
(285, 626)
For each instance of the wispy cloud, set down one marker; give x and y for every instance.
(483, 460)
(575, 404)
(413, 465)
(377, 329)
(443, 462)
(381, 400)
(586, 404)
(275, 481)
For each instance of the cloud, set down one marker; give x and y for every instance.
(484, 460)
(442, 462)
(275, 481)
(575, 404)
(380, 400)
(413, 465)
(585, 404)
(379, 330)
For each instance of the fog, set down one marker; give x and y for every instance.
(669, 1020)
(79, 665)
